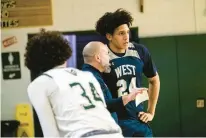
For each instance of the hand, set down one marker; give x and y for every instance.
(145, 117)
(131, 96)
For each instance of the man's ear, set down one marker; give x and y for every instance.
(109, 36)
(97, 58)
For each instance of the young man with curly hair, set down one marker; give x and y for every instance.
(68, 102)
(129, 61)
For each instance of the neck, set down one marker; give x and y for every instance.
(96, 65)
(115, 49)
(62, 66)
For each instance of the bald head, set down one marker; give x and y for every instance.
(91, 49)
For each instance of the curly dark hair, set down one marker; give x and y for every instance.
(111, 20)
(46, 50)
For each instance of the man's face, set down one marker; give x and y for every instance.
(104, 55)
(120, 37)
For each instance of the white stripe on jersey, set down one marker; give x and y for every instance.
(129, 52)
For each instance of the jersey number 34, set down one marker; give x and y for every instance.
(84, 94)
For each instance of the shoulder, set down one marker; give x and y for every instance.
(87, 75)
(42, 79)
(81, 72)
(138, 47)
(67, 72)
(41, 83)
(141, 49)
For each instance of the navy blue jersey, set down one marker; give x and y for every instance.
(126, 73)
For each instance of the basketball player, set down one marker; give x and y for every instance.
(68, 102)
(129, 61)
(96, 61)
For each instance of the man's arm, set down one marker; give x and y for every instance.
(114, 104)
(37, 93)
(150, 72)
(118, 104)
(154, 87)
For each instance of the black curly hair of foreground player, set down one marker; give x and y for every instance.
(111, 20)
(46, 50)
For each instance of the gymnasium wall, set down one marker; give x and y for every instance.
(160, 18)
(181, 63)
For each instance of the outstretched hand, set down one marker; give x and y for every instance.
(131, 96)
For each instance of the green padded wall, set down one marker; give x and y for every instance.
(181, 63)
(163, 51)
(192, 83)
